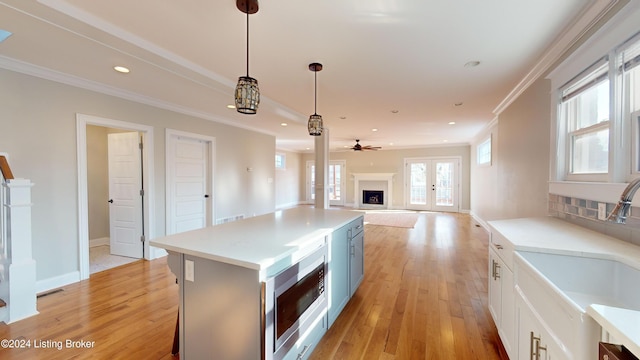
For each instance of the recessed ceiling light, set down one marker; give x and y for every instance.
(121, 69)
(230, 106)
(374, 129)
(390, 144)
(458, 104)
(445, 140)
(473, 63)
(343, 117)
(452, 122)
(394, 111)
(283, 124)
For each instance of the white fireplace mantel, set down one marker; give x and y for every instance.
(358, 177)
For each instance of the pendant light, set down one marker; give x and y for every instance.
(247, 97)
(315, 120)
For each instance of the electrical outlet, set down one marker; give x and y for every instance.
(189, 270)
(602, 211)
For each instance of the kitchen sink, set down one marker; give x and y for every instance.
(587, 281)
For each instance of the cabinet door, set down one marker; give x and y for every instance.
(338, 277)
(502, 301)
(356, 252)
(495, 288)
(534, 342)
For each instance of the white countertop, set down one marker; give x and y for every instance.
(552, 235)
(623, 324)
(260, 241)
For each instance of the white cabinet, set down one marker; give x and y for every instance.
(534, 341)
(501, 294)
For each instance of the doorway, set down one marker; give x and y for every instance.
(336, 182)
(432, 184)
(121, 203)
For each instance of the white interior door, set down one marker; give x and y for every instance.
(125, 194)
(187, 181)
(432, 184)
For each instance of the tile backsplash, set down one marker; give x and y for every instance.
(584, 212)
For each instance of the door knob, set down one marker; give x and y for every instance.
(111, 201)
(206, 195)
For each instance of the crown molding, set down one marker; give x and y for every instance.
(78, 82)
(564, 42)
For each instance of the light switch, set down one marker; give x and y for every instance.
(189, 270)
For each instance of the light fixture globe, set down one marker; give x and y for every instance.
(315, 121)
(247, 95)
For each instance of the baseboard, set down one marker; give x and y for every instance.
(57, 281)
(482, 223)
(99, 242)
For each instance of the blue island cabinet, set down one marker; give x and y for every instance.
(346, 265)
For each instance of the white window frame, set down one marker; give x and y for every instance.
(565, 129)
(619, 29)
(485, 144)
(283, 161)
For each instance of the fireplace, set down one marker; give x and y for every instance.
(373, 197)
(381, 186)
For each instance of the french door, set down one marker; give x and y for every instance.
(432, 184)
(335, 179)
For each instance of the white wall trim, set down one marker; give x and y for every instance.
(57, 281)
(565, 41)
(75, 81)
(82, 121)
(480, 221)
(595, 191)
(98, 242)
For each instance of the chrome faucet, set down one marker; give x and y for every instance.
(621, 211)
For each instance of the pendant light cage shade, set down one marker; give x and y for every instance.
(315, 125)
(247, 95)
(315, 121)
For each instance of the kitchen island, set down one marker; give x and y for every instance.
(230, 277)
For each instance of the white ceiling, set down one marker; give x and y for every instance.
(379, 56)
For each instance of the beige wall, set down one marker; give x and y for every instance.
(97, 182)
(289, 190)
(392, 161)
(38, 122)
(516, 182)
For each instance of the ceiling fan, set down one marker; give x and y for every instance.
(358, 147)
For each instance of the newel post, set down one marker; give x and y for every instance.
(22, 267)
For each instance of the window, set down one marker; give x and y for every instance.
(281, 161)
(585, 111)
(484, 152)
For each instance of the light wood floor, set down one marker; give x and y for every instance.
(424, 296)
